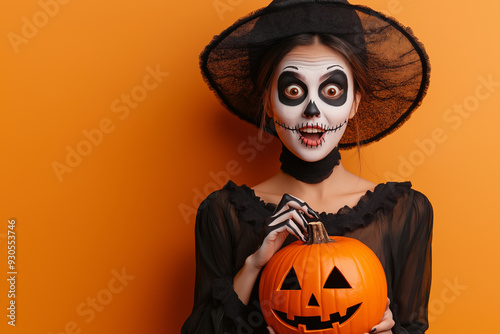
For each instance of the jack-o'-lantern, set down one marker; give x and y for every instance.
(333, 285)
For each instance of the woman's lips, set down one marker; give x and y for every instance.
(311, 135)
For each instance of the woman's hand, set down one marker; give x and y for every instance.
(288, 218)
(271, 330)
(385, 326)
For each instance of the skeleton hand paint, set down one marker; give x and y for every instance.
(312, 100)
(289, 215)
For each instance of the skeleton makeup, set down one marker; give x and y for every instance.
(312, 100)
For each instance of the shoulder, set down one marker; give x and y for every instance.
(233, 204)
(413, 208)
(422, 210)
(212, 217)
(420, 201)
(221, 199)
(219, 196)
(230, 193)
(410, 197)
(402, 198)
(393, 192)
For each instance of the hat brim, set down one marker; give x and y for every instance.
(396, 63)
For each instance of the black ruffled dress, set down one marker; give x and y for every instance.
(394, 220)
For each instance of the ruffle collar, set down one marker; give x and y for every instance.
(253, 210)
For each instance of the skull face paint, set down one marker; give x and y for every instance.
(312, 100)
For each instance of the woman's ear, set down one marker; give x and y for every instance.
(269, 111)
(355, 105)
(268, 107)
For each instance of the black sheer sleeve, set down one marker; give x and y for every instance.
(412, 236)
(222, 245)
(214, 295)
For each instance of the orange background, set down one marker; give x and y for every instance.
(125, 206)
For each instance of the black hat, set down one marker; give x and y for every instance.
(396, 63)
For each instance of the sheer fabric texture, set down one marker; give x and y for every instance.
(394, 220)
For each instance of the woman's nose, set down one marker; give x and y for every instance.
(311, 110)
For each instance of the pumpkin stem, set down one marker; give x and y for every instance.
(317, 234)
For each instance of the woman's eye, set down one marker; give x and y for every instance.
(332, 91)
(294, 92)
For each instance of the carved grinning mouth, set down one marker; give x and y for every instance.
(314, 322)
(311, 134)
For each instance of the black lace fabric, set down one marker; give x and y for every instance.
(394, 220)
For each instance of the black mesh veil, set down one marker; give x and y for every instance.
(396, 62)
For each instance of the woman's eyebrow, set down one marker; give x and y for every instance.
(329, 67)
(299, 75)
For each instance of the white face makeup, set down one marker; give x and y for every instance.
(312, 100)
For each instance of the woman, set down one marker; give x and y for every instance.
(319, 75)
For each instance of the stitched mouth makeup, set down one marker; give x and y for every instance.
(310, 134)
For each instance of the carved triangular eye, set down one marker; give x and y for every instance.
(291, 281)
(336, 280)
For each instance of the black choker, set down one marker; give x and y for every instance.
(309, 172)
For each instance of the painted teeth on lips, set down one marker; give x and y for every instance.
(309, 130)
(312, 129)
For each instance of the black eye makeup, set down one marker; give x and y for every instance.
(291, 90)
(333, 90)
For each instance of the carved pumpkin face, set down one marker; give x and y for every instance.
(337, 288)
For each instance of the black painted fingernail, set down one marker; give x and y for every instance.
(313, 213)
(373, 330)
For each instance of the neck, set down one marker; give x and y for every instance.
(309, 172)
(330, 185)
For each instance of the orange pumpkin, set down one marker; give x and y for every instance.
(333, 285)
